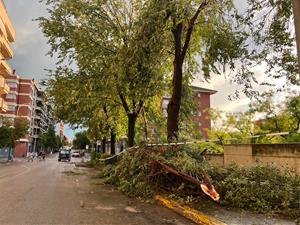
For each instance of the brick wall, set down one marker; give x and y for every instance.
(21, 149)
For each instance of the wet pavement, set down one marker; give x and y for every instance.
(52, 192)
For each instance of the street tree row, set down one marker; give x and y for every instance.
(117, 58)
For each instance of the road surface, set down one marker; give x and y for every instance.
(53, 192)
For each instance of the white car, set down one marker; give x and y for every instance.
(75, 153)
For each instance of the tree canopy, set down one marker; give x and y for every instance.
(81, 140)
(114, 57)
(10, 133)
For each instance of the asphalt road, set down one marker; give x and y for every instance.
(54, 192)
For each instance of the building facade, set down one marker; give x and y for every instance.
(7, 37)
(26, 100)
(202, 98)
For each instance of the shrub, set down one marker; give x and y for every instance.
(260, 188)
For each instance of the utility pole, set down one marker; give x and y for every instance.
(296, 10)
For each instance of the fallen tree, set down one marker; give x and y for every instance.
(205, 184)
(182, 172)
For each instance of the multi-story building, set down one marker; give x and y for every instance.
(26, 100)
(202, 98)
(7, 37)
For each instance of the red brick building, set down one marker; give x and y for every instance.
(202, 97)
(26, 100)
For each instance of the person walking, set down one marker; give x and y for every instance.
(29, 156)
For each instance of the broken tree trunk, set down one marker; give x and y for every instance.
(179, 174)
(205, 184)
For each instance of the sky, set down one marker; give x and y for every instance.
(30, 59)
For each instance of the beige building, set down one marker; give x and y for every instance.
(7, 37)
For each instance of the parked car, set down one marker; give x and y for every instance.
(64, 155)
(75, 153)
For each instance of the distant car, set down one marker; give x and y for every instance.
(64, 155)
(75, 153)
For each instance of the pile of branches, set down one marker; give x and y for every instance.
(180, 170)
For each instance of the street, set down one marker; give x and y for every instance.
(52, 192)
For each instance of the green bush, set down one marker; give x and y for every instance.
(260, 188)
(211, 147)
(131, 174)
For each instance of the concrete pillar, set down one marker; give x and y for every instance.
(296, 10)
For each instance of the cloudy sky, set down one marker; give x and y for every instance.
(30, 58)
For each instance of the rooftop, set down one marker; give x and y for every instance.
(200, 89)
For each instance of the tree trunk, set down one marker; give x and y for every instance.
(296, 10)
(131, 128)
(175, 101)
(112, 142)
(103, 145)
(145, 126)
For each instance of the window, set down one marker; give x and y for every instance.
(11, 108)
(11, 96)
(12, 85)
(199, 95)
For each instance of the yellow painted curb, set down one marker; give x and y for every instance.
(189, 213)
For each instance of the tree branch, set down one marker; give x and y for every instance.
(141, 104)
(191, 27)
(124, 103)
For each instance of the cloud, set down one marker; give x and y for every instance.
(30, 46)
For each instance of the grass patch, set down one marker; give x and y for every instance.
(73, 173)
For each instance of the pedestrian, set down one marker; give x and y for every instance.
(29, 156)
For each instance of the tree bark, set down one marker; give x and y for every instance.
(112, 142)
(131, 128)
(103, 145)
(175, 101)
(180, 53)
(145, 126)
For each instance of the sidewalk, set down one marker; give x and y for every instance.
(240, 217)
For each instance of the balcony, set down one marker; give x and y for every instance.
(10, 31)
(6, 49)
(4, 88)
(3, 105)
(5, 69)
(2, 28)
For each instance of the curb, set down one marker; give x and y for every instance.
(189, 213)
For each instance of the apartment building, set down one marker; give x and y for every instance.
(7, 37)
(25, 99)
(202, 98)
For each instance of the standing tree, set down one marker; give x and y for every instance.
(206, 31)
(81, 140)
(125, 56)
(11, 133)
